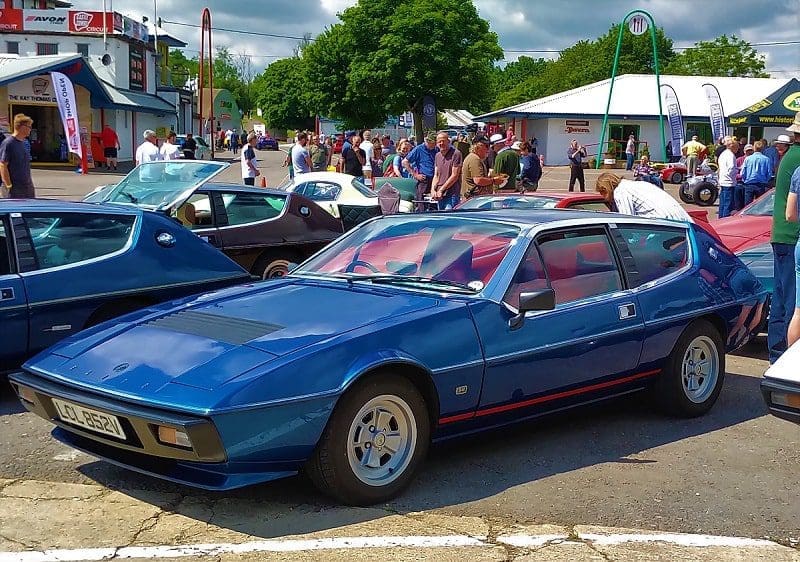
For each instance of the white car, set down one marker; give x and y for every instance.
(203, 151)
(781, 385)
(332, 189)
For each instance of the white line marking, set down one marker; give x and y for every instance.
(343, 543)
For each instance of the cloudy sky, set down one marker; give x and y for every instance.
(523, 26)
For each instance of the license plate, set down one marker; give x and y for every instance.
(88, 418)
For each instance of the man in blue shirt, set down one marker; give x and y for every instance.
(420, 163)
(756, 173)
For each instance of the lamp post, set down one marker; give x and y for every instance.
(637, 25)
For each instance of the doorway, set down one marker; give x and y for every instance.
(618, 139)
(47, 135)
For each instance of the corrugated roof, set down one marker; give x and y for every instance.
(137, 101)
(457, 117)
(635, 96)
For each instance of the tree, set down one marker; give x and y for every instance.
(724, 56)
(385, 56)
(282, 96)
(181, 69)
(514, 83)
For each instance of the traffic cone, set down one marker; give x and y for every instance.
(263, 181)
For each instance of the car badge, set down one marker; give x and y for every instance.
(165, 239)
(476, 286)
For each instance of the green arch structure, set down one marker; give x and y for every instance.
(614, 75)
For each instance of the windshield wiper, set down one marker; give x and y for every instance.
(414, 279)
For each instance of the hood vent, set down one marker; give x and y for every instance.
(235, 331)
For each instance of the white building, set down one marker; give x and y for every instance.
(110, 58)
(578, 114)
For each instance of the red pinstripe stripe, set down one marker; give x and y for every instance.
(547, 398)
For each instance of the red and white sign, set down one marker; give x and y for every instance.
(68, 108)
(90, 22)
(45, 20)
(10, 20)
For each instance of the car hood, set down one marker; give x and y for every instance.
(787, 367)
(206, 344)
(742, 232)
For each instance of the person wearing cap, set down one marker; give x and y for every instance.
(420, 163)
(727, 171)
(474, 173)
(576, 153)
(496, 142)
(784, 253)
(507, 162)
(775, 152)
(756, 171)
(691, 150)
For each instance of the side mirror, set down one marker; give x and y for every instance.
(544, 299)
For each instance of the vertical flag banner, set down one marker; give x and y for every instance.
(68, 108)
(715, 112)
(675, 118)
(428, 113)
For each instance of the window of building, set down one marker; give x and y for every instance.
(83, 49)
(46, 48)
(12, 47)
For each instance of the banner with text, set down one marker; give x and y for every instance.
(674, 117)
(715, 112)
(68, 108)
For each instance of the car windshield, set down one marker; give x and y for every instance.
(429, 253)
(509, 202)
(158, 185)
(762, 207)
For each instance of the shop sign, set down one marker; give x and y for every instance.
(46, 20)
(38, 89)
(792, 102)
(134, 29)
(90, 22)
(10, 19)
(577, 126)
(136, 62)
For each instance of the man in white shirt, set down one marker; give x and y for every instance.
(301, 160)
(249, 161)
(366, 146)
(639, 198)
(170, 150)
(727, 170)
(148, 152)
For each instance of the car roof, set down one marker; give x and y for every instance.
(559, 195)
(533, 217)
(323, 176)
(59, 205)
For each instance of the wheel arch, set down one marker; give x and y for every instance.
(117, 307)
(719, 323)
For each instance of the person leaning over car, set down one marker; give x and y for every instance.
(474, 174)
(640, 199)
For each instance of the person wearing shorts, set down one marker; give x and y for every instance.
(111, 146)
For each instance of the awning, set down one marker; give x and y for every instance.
(14, 68)
(129, 100)
(776, 110)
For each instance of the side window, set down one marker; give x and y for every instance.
(529, 277)
(196, 212)
(655, 252)
(301, 189)
(5, 249)
(322, 191)
(67, 238)
(579, 263)
(598, 206)
(245, 208)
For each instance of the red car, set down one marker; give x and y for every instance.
(749, 227)
(538, 200)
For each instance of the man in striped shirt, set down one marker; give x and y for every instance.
(639, 198)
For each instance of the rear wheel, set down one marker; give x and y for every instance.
(692, 378)
(373, 443)
(705, 194)
(676, 177)
(271, 266)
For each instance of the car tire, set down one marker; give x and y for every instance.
(694, 372)
(272, 266)
(705, 194)
(676, 177)
(384, 412)
(684, 195)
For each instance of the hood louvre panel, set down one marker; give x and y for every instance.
(235, 331)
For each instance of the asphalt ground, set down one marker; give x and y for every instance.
(616, 481)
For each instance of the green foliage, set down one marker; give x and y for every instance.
(181, 68)
(724, 56)
(280, 92)
(385, 56)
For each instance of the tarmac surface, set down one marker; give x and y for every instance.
(616, 481)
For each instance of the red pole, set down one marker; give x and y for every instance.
(205, 25)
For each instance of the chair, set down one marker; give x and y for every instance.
(353, 215)
(186, 215)
(451, 261)
(389, 199)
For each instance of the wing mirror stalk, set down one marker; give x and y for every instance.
(544, 299)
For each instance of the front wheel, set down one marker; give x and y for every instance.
(676, 177)
(373, 443)
(683, 193)
(692, 378)
(705, 194)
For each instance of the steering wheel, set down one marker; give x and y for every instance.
(356, 263)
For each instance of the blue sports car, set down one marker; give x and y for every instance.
(67, 266)
(407, 330)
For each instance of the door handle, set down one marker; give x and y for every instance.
(6, 294)
(627, 310)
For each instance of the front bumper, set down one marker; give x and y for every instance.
(779, 386)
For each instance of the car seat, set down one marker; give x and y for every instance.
(450, 261)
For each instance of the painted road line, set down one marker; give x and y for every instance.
(350, 543)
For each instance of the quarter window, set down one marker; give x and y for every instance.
(579, 264)
(321, 191)
(67, 238)
(655, 252)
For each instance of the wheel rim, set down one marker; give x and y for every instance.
(700, 369)
(704, 194)
(676, 178)
(382, 440)
(278, 268)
